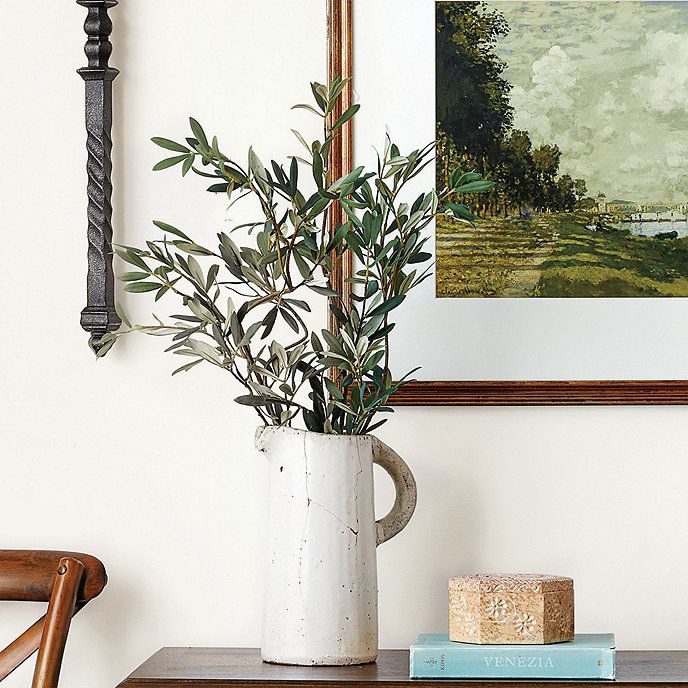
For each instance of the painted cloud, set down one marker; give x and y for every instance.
(607, 82)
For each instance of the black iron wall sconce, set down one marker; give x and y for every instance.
(99, 316)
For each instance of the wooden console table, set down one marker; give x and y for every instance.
(196, 667)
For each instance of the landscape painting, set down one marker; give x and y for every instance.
(578, 111)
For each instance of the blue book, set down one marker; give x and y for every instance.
(587, 656)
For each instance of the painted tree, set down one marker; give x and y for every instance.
(564, 193)
(473, 108)
(580, 188)
(545, 165)
(515, 173)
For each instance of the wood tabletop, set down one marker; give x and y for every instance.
(184, 667)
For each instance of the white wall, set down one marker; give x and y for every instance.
(156, 476)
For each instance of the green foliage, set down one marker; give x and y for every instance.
(472, 95)
(234, 296)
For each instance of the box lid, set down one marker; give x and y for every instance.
(511, 582)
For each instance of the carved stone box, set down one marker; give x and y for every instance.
(514, 609)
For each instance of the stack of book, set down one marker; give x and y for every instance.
(587, 656)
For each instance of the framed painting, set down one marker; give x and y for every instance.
(568, 288)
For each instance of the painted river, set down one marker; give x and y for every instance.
(652, 228)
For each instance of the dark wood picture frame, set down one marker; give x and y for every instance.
(474, 393)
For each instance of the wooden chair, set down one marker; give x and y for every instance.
(67, 581)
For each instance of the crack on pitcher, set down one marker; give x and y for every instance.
(331, 513)
(358, 475)
(356, 482)
(305, 528)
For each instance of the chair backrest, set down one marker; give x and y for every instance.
(67, 581)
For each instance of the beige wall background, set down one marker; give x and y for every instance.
(156, 475)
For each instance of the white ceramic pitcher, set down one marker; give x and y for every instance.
(321, 585)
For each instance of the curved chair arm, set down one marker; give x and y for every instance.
(29, 576)
(67, 581)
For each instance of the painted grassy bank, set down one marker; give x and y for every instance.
(555, 255)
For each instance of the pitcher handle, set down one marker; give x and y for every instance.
(405, 485)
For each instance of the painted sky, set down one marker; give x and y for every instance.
(607, 82)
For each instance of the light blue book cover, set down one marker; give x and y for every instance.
(587, 656)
